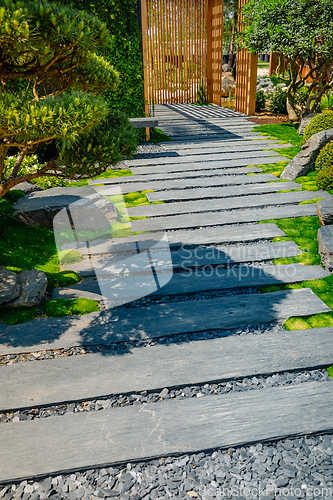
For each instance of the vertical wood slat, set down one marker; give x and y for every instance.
(246, 76)
(145, 61)
(214, 50)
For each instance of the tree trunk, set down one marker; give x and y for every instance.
(232, 43)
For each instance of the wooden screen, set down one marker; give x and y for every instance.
(246, 76)
(174, 47)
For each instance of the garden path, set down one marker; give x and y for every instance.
(211, 203)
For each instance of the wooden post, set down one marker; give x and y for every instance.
(214, 50)
(273, 63)
(145, 59)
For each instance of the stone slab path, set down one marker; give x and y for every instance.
(210, 219)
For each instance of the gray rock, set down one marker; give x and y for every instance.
(32, 288)
(304, 122)
(228, 85)
(40, 208)
(27, 188)
(225, 68)
(9, 287)
(325, 211)
(325, 240)
(304, 161)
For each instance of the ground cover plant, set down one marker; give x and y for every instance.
(301, 33)
(51, 77)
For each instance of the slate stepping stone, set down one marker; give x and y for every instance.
(201, 158)
(221, 204)
(220, 192)
(264, 143)
(201, 166)
(96, 375)
(201, 256)
(325, 240)
(221, 218)
(125, 287)
(169, 427)
(148, 322)
(222, 180)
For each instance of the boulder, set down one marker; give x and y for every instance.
(40, 208)
(9, 287)
(325, 240)
(304, 121)
(225, 68)
(325, 211)
(32, 288)
(304, 161)
(27, 188)
(228, 85)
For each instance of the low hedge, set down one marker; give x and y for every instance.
(324, 163)
(323, 121)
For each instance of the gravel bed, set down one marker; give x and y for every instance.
(180, 393)
(289, 468)
(9, 359)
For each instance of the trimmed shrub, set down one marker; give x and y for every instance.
(324, 163)
(278, 101)
(323, 121)
(260, 101)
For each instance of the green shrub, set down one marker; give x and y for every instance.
(327, 101)
(325, 157)
(301, 96)
(260, 101)
(325, 178)
(278, 101)
(323, 121)
(202, 98)
(67, 257)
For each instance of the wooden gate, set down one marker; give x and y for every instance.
(182, 49)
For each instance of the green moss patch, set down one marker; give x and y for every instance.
(310, 202)
(63, 307)
(16, 315)
(67, 257)
(157, 135)
(286, 132)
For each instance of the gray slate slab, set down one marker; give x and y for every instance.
(202, 166)
(219, 218)
(189, 281)
(220, 138)
(201, 256)
(176, 175)
(171, 146)
(226, 149)
(184, 207)
(62, 380)
(234, 155)
(222, 180)
(116, 435)
(220, 192)
(158, 320)
(325, 242)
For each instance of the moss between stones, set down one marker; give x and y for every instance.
(64, 307)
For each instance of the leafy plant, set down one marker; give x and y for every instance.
(278, 101)
(260, 101)
(62, 77)
(301, 33)
(327, 101)
(323, 121)
(324, 163)
(202, 98)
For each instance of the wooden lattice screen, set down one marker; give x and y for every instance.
(246, 76)
(180, 38)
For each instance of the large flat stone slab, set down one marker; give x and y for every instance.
(325, 210)
(92, 439)
(189, 281)
(216, 180)
(117, 325)
(198, 166)
(203, 256)
(226, 149)
(261, 143)
(176, 175)
(221, 192)
(95, 375)
(184, 207)
(234, 155)
(222, 218)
